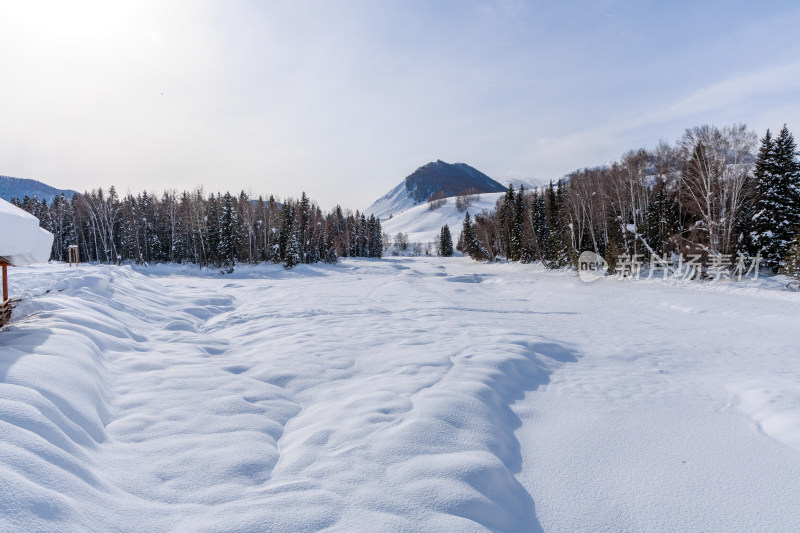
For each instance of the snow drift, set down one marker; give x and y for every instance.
(412, 394)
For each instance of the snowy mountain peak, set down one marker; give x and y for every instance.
(450, 179)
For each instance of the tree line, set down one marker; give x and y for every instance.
(709, 194)
(218, 230)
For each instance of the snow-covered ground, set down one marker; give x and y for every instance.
(406, 394)
(423, 225)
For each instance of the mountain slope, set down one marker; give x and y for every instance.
(436, 176)
(423, 225)
(20, 187)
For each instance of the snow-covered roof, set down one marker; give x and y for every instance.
(22, 241)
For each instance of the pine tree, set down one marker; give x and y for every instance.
(505, 220)
(375, 237)
(286, 231)
(530, 250)
(467, 238)
(303, 217)
(292, 257)
(517, 217)
(660, 220)
(556, 249)
(777, 185)
(445, 242)
(470, 244)
(329, 254)
(227, 233)
(273, 230)
(540, 220)
(363, 237)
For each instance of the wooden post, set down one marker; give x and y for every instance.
(73, 248)
(5, 280)
(5, 305)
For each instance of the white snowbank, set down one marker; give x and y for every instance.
(22, 241)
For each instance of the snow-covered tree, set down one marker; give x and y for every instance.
(469, 242)
(292, 257)
(227, 233)
(777, 183)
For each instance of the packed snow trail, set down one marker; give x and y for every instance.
(397, 395)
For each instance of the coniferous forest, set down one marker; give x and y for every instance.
(216, 231)
(710, 194)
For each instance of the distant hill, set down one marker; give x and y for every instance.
(528, 183)
(20, 187)
(423, 225)
(436, 176)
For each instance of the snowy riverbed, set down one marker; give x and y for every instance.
(407, 394)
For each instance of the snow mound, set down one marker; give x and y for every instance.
(22, 241)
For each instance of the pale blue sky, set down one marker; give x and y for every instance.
(343, 99)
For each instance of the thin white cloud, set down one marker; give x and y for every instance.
(728, 92)
(606, 142)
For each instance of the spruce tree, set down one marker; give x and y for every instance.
(506, 222)
(529, 250)
(445, 242)
(540, 220)
(363, 237)
(329, 252)
(286, 232)
(468, 237)
(375, 237)
(777, 186)
(212, 231)
(556, 249)
(470, 244)
(273, 230)
(303, 216)
(660, 220)
(517, 217)
(227, 233)
(292, 257)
